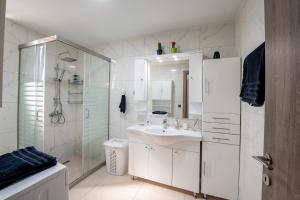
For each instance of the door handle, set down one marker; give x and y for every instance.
(217, 138)
(206, 86)
(224, 129)
(265, 160)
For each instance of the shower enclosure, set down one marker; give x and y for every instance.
(64, 103)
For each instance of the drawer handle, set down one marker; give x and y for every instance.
(224, 118)
(225, 129)
(216, 138)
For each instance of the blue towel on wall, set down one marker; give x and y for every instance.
(22, 163)
(253, 85)
(122, 105)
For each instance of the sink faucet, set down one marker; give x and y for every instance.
(165, 123)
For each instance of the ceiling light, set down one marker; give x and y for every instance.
(173, 70)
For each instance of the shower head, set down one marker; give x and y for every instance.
(68, 59)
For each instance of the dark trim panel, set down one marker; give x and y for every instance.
(2, 26)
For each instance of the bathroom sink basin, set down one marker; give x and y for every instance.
(161, 136)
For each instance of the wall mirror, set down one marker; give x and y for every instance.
(168, 86)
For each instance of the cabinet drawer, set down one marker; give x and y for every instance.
(221, 128)
(221, 118)
(187, 146)
(221, 138)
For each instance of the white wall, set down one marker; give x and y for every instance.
(14, 35)
(250, 33)
(207, 38)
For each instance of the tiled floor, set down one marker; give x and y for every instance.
(102, 186)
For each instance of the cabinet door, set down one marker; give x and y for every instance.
(166, 93)
(186, 170)
(156, 90)
(140, 82)
(138, 159)
(195, 75)
(160, 164)
(222, 79)
(220, 170)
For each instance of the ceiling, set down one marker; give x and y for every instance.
(93, 22)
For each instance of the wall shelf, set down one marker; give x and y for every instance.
(75, 96)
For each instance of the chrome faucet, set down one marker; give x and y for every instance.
(165, 123)
(195, 124)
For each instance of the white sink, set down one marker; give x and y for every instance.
(158, 135)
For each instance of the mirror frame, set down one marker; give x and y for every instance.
(165, 59)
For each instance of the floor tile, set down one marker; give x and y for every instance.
(103, 186)
(154, 192)
(81, 189)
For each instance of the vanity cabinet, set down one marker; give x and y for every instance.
(160, 164)
(186, 170)
(220, 170)
(138, 159)
(177, 166)
(151, 162)
(140, 79)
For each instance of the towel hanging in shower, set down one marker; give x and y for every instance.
(122, 105)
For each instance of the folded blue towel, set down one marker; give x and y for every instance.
(253, 85)
(22, 163)
(159, 112)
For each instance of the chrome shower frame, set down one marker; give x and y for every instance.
(79, 47)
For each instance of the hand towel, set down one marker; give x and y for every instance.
(122, 105)
(253, 84)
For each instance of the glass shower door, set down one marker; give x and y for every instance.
(32, 96)
(96, 105)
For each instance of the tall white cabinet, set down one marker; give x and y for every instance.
(140, 79)
(221, 127)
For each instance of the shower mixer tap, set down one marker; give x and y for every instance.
(57, 116)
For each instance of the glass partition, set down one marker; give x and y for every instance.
(96, 95)
(32, 97)
(63, 104)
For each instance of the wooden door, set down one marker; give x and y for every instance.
(282, 111)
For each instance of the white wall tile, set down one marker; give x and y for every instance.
(14, 35)
(250, 33)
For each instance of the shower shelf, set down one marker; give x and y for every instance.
(75, 97)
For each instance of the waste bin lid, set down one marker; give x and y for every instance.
(116, 143)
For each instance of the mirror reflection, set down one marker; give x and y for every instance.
(169, 88)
